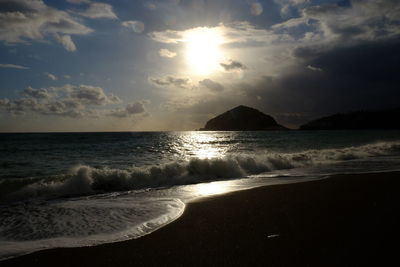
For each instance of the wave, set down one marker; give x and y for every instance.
(81, 222)
(86, 180)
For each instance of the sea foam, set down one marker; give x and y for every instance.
(81, 222)
(87, 180)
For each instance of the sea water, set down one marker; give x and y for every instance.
(83, 189)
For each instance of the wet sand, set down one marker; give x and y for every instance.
(345, 220)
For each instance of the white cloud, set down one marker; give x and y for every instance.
(66, 41)
(290, 23)
(98, 10)
(51, 76)
(347, 25)
(288, 6)
(13, 66)
(313, 68)
(136, 26)
(235, 34)
(34, 20)
(166, 53)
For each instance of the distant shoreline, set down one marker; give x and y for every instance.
(267, 131)
(340, 221)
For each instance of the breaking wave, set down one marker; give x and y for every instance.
(86, 180)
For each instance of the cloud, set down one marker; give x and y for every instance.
(91, 95)
(132, 109)
(314, 68)
(233, 35)
(78, 2)
(4, 102)
(363, 20)
(38, 105)
(343, 25)
(290, 7)
(213, 86)
(359, 77)
(168, 36)
(136, 26)
(37, 93)
(66, 101)
(345, 80)
(233, 65)
(51, 76)
(13, 66)
(256, 9)
(66, 41)
(98, 10)
(171, 81)
(25, 20)
(166, 53)
(326, 58)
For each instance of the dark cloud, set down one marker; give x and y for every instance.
(36, 93)
(321, 82)
(66, 101)
(213, 86)
(171, 81)
(359, 77)
(233, 65)
(132, 109)
(92, 95)
(371, 61)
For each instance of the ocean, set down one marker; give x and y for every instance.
(84, 189)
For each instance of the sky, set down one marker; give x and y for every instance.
(161, 65)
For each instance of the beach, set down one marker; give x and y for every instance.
(344, 220)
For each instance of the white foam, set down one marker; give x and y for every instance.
(82, 222)
(86, 180)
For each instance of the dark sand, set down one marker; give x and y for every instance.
(346, 220)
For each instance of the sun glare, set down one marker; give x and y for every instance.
(211, 189)
(203, 50)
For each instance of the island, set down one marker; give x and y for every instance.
(242, 118)
(359, 120)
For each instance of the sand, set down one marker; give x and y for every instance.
(345, 220)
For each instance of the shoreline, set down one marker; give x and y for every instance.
(344, 220)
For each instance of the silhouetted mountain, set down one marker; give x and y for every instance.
(372, 119)
(242, 118)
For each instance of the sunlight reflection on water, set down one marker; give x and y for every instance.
(210, 189)
(203, 145)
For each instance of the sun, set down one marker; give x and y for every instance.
(203, 53)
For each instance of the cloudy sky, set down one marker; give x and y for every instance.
(86, 65)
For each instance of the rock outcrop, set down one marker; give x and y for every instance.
(373, 119)
(242, 118)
